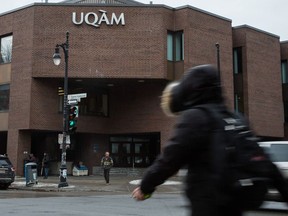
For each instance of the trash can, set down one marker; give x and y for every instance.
(31, 174)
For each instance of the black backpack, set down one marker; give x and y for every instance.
(243, 171)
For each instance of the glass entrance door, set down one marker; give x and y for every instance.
(121, 153)
(134, 151)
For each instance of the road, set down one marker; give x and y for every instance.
(29, 203)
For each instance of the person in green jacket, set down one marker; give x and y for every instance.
(107, 163)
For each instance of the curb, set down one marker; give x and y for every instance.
(90, 184)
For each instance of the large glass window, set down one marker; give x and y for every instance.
(179, 46)
(4, 97)
(237, 60)
(284, 71)
(96, 103)
(6, 49)
(238, 80)
(170, 49)
(175, 46)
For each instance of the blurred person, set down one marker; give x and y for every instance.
(31, 158)
(45, 165)
(107, 163)
(190, 144)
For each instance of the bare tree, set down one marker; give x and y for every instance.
(6, 50)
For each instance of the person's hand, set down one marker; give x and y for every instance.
(138, 195)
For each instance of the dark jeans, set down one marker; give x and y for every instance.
(46, 171)
(106, 175)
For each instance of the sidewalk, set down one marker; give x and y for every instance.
(118, 184)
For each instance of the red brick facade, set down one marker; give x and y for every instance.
(122, 55)
(262, 80)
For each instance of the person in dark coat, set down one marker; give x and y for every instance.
(45, 165)
(190, 143)
(31, 158)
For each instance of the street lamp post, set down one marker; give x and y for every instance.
(57, 60)
(218, 59)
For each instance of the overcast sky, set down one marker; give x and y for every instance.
(267, 15)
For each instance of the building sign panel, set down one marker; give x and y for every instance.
(97, 19)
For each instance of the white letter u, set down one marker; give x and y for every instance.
(74, 18)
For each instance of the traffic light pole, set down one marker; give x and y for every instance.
(63, 167)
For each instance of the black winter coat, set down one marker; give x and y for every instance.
(189, 146)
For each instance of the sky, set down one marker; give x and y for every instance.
(267, 15)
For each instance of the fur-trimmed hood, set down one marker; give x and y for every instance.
(199, 85)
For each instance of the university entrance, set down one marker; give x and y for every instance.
(134, 150)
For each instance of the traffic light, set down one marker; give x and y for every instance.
(73, 116)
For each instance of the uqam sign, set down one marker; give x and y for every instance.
(97, 19)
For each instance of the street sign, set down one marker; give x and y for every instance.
(61, 146)
(72, 102)
(60, 139)
(77, 96)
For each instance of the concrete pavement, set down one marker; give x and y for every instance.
(118, 184)
(89, 195)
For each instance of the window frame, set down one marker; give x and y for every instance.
(237, 60)
(175, 46)
(6, 108)
(284, 71)
(8, 59)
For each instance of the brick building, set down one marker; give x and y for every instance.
(122, 54)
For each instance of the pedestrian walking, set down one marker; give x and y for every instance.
(191, 145)
(107, 163)
(45, 165)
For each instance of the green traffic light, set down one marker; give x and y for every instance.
(73, 114)
(72, 123)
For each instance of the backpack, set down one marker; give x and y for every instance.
(242, 169)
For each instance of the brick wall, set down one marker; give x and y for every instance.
(284, 56)
(134, 51)
(201, 32)
(261, 80)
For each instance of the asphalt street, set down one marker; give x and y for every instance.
(104, 205)
(91, 196)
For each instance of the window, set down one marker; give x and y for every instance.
(284, 71)
(237, 60)
(96, 103)
(170, 46)
(238, 80)
(175, 46)
(179, 46)
(6, 49)
(4, 97)
(278, 152)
